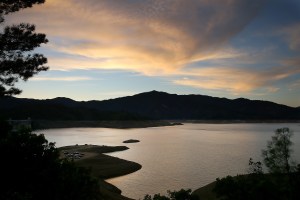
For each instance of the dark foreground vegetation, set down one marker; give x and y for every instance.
(174, 195)
(259, 187)
(32, 169)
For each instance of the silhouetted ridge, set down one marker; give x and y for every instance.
(63, 101)
(152, 105)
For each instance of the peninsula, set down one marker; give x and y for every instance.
(102, 166)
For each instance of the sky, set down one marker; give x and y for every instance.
(102, 49)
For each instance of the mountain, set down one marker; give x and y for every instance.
(149, 105)
(161, 105)
(57, 109)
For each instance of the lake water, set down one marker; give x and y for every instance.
(187, 156)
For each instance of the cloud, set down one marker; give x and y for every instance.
(161, 38)
(291, 34)
(295, 85)
(142, 35)
(73, 78)
(237, 80)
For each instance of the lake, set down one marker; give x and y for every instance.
(175, 157)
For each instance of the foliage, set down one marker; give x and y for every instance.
(9, 6)
(255, 167)
(173, 195)
(31, 169)
(259, 186)
(277, 156)
(282, 183)
(16, 44)
(253, 186)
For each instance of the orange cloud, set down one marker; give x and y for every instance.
(156, 37)
(73, 78)
(236, 80)
(146, 36)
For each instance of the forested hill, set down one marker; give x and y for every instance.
(149, 105)
(57, 109)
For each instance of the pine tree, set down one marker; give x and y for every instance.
(17, 43)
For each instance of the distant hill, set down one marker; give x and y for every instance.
(149, 105)
(57, 109)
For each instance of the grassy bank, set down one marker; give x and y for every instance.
(101, 165)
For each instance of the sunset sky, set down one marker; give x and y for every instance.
(101, 49)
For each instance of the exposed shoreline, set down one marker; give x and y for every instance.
(122, 124)
(103, 166)
(128, 124)
(262, 121)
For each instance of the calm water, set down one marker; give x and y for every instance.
(187, 156)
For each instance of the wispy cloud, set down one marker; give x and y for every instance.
(291, 34)
(295, 85)
(161, 37)
(69, 79)
(236, 80)
(158, 35)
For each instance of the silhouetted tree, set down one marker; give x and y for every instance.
(16, 44)
(31, 169)
(174, 195)
(277, 156)
(255, 167)
(282, 183)
(248, 187)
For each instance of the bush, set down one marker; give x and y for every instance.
(31, 169)
(174, 195)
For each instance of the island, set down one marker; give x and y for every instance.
(131, 141)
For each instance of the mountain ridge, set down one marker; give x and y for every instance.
(153, 105)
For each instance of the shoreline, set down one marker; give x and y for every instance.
(124, 124)
(234, 121)
(103, 166)
(131, 124)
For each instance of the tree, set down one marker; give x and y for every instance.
(277, 156)
(174, 195)
(255, 167)
(16, 45)
(31, 169)
(283, 181)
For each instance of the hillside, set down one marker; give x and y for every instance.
(57, 109)
(149, 105)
